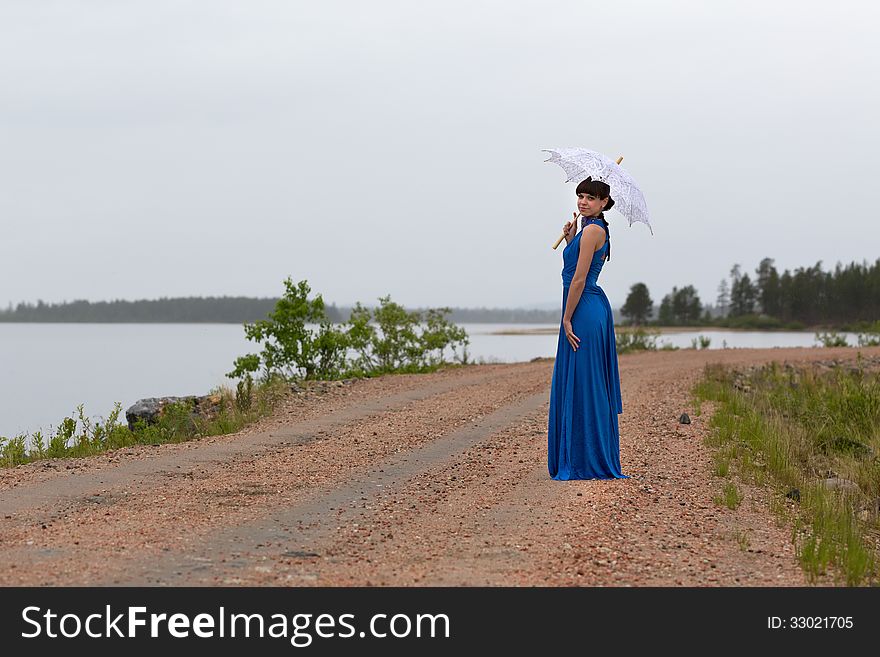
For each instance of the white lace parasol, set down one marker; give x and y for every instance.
(580, 163)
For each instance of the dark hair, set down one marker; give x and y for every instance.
(595, 188)
(598, 189)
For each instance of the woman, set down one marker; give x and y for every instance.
(583, 438)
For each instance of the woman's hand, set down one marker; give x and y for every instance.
(570, 228)
(569, 333)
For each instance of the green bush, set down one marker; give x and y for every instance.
(288, 346)
(832, 339)
(870, 336)
(395, 342)
(638, 339)
(12, 451)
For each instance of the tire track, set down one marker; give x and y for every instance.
(298, 530)
(148, 471)
(131, 525)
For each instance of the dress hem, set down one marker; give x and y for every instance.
(623, 476)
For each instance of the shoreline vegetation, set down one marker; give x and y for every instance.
(807, 435)
(387, 339)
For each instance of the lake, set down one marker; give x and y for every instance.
(47, 370)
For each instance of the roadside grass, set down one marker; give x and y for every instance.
(812, 436)
(730, 497)
(742, 539)
(80, 437)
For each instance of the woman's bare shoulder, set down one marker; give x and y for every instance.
(596, 235)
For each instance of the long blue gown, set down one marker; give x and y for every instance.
(583, 438)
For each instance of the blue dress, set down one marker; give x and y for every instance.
(583, 438)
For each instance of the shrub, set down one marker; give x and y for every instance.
(636, 340)
(832, 339)
(395, 343)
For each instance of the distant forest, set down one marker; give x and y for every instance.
(847, 296)
(807, 296)
(228, 310)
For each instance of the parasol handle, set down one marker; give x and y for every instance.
(562, 237)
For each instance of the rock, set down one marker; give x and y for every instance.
(299, 554)
(794, 494)
(869, 512)
(151, 409)
(845, 485)
(684, 419)
(855, 447)
(741, 384)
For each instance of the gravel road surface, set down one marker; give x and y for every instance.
(437, 479)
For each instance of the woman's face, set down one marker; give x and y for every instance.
(589, 205)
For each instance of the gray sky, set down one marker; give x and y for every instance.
(170, 148)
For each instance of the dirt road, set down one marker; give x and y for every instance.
(436, 479)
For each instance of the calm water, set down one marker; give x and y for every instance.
(46, 370)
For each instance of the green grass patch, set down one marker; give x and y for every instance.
(79, 437)
(730, 497)
(811, 434)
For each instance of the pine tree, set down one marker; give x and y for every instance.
(767, 288)
(723, 300)
(638, 304)
(742, 297)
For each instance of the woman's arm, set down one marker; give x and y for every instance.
(589, 240)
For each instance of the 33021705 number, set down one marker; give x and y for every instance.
(820, 622)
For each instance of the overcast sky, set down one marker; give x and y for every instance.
(169, 148)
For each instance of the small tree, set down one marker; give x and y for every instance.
(399, 343)
(638, 304)
(361, 335)
(439, 334)
(289, 348)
